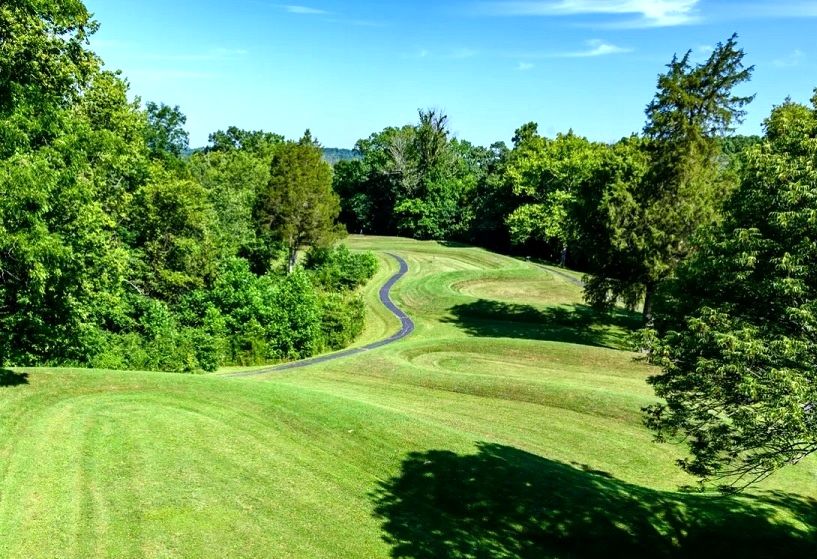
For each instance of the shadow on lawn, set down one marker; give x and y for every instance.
(10, 378)
(579, 324)
(503, 502)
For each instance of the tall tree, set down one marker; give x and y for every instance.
(44, 67)
(298, 207)
(736, 330)
(685, 184)
(174, 226)
(61, 266)
(545, 176)
(166, 135)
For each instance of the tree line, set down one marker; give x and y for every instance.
(117, 251)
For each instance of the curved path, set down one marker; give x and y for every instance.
(406, 328)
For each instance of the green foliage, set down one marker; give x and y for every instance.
(113, 248)
(252, 141)
(264, 318)
(735, 335)
(413, 180)
(44, 68)
(338, 273)
(165, 135)
(154, 339)
(298, 206)
(492, 200)
(545, 176)
(339, 269)
(652, 221)
(232, 180)
(342, 319)
(59, 263)
(174, 230)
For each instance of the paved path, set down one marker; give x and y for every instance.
(406, 328)
(568, 277)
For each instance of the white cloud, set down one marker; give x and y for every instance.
(304, 10)
(790, 60)
(646, 13)
(595, 47)
(524, 66)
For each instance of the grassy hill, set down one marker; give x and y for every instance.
(507, 425)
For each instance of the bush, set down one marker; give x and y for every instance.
(242, 318)
(339, 269)
(342, 319)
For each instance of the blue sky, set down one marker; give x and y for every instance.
(347, 69)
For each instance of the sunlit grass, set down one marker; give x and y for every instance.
(507, 425)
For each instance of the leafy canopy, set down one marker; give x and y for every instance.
(736, 336)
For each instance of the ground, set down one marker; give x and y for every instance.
(507, 425)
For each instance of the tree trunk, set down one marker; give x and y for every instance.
(293, 256)
(648, 298)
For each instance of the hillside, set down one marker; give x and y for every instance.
(507, 425)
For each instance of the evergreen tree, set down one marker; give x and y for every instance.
(685, 185)
(298, 207)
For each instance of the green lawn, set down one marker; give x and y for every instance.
(507, 425)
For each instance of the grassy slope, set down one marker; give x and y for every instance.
(505, 426)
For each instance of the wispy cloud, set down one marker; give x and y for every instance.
(792, 59)
(524, 66)
(304, 10)
(596, 47)
(627, 13)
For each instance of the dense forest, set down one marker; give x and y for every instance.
(121, 249)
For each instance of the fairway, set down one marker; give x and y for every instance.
(507, 424)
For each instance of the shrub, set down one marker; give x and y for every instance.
(339, 269)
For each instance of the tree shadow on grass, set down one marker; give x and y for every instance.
(11, 378)
(579, 324)
(455, 244)
(504, 502)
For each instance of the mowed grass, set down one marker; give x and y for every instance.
(507, 425)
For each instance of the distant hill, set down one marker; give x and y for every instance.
(333, 155)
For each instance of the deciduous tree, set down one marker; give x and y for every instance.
(736, 330)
